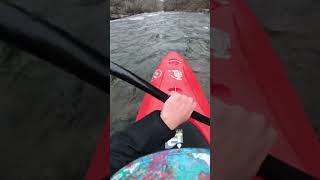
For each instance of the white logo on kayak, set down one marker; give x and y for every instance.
(176, 74)
(176, 140)
(174, 61)
(156, 74)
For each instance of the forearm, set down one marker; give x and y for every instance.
(138, 140)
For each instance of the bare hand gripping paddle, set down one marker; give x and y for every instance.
(142, 84)
(58, 47)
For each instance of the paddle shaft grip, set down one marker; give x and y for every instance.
(145, 86)
(44, 40)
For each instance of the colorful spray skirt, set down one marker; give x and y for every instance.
(185, 163)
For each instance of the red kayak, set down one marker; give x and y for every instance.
(174, 74)
(248, 72)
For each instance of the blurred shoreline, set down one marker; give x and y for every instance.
(124, 8)
(120, 16)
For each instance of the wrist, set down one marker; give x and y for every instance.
(171, 125)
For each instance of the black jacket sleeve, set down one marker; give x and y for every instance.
(138, 140)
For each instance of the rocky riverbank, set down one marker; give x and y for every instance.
(124, 8)
(119, 16)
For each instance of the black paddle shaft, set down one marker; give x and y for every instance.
(56, 46)
(140, 83)
(40, 38)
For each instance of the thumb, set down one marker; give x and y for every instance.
(171, 93)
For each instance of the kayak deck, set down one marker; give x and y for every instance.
(248, 73)
(175, 74)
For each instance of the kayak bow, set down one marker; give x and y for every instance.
(174, 74)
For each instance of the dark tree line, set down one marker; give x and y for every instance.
(130, 7)
(186, 5)
(120, 8)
